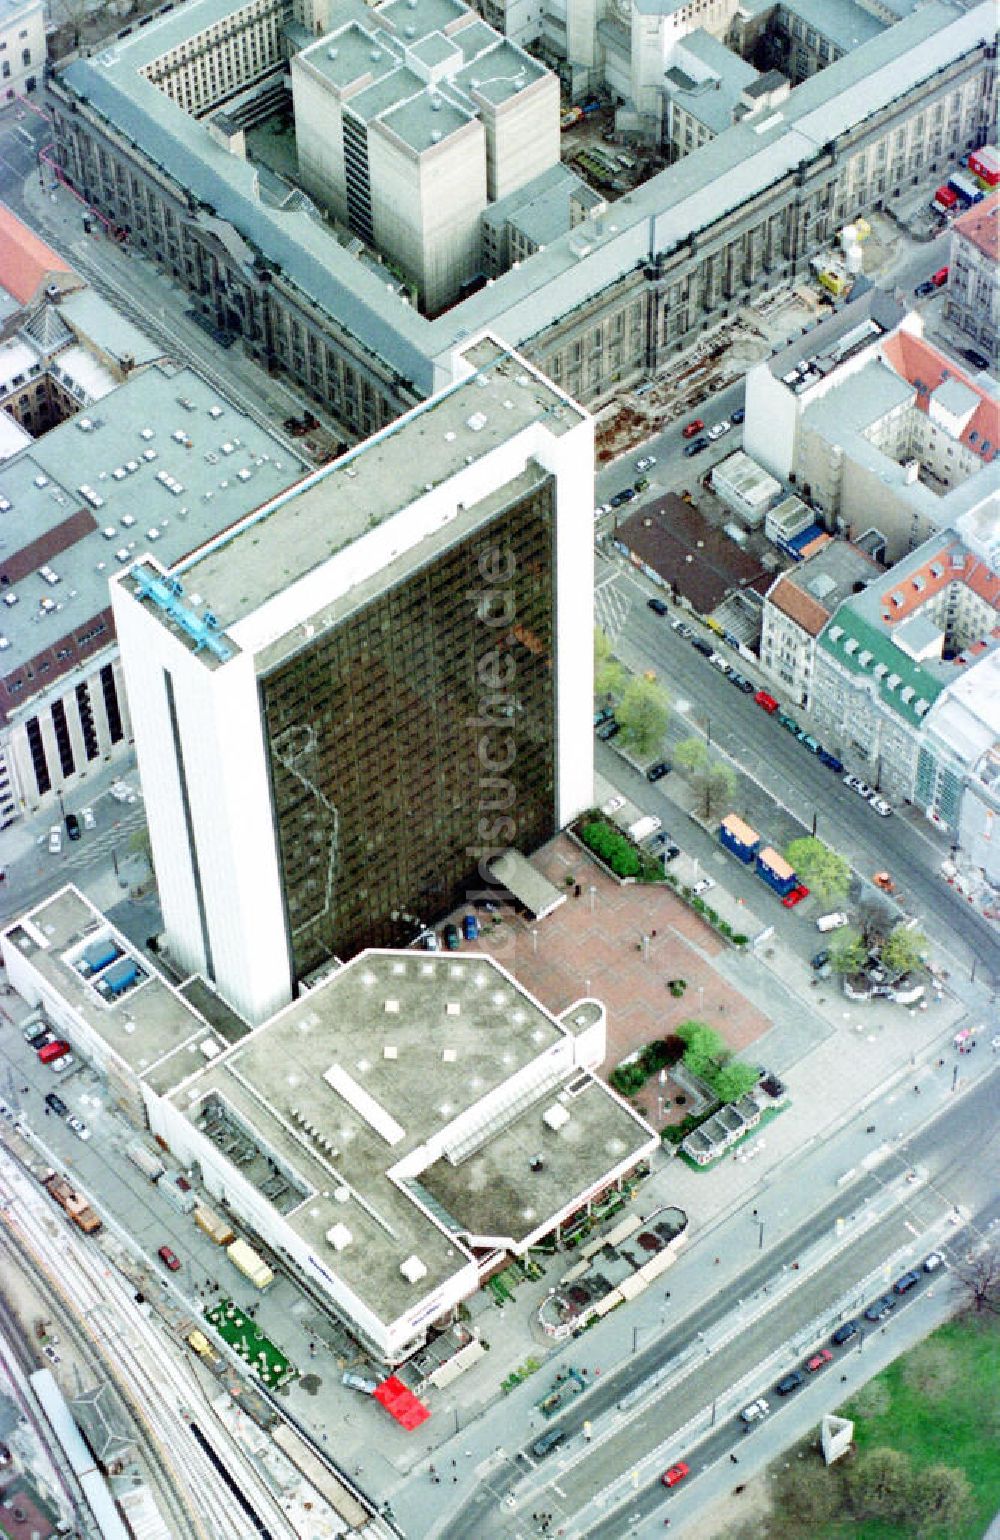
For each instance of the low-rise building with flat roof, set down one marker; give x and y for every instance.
(390, 1139)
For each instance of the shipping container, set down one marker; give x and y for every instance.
(250, 1264)
(216, 1228)
(739, 839)
(775, 871)
(149, 1164)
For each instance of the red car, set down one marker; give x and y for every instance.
(692, 428)
(766, 702)
(819, 1360)
(676, 1473)
(169, 1258)
(795, 896)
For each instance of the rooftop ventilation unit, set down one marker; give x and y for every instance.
(339, 1237)
(413, 1269)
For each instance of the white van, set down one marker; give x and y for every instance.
(835, 921)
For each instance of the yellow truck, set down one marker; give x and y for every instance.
(250, 1264)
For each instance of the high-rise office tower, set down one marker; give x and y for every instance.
(353, 699)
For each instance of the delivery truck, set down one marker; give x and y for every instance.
(250, 1264)
(214, 1226)
(644, 827)
(149, 1164)
(78, 1209)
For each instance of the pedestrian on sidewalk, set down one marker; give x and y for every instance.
(735, 1459)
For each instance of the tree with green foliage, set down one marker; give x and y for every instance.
(848, 952)
(643, 712)
(703, 1047)
(903, 950)
(823, 870)
(691, 756)
(609, 676)
(733, 1080)
(717, 790)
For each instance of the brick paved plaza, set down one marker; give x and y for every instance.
(593, 945)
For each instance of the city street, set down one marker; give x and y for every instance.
(778, 772)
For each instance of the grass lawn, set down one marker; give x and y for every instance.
(938, 1404)
(249, 1342)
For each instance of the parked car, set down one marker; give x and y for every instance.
(87, 814)
(830, 760)
(64, 1062)
(907, 1281)
(718, 661)
(608, 730)
(603, 714)
(798, 893)
(56, 1104)
(169, 1258)
(659, 770)
(718, 429)
(122, 792)
(835, 920)
(35, 1034)
(933, 1261)
(741, 682)
(880, 1309)
(809, 742)
(766, 702)
(693, 427)
(845, 1333)
(975, 358)
(629, 495)
(705, 648)
(738, 416)
(881, 806)
(646, 463)
(695, 447)
(789, 1383)
(548, 1441)
(52, 1050)
(857, 784)
(618, 499)
(613, 805)
(55, 840)
(470, 927)
(819, 1360)
(73, 827)
(883, 882)
(755, 1411)
(821, 960)
(675, 1473)
(657, 606)
(924, 289)
(79, 1127)
(788, 723)
(452, 939)
(703, 885)
(429, 941)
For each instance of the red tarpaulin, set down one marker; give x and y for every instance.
(408, 1410)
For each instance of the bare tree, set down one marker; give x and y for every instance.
(979, 1282)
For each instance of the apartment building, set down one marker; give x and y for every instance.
(972, 297)
(799, 604)
(22, 47)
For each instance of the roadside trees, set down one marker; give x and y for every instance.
(608, 672)
(825, 871)
(643, 712)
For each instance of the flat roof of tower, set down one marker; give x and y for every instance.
(331, 508)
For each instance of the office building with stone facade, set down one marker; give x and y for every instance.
(605, 303)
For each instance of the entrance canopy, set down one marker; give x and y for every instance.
(528, 886)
